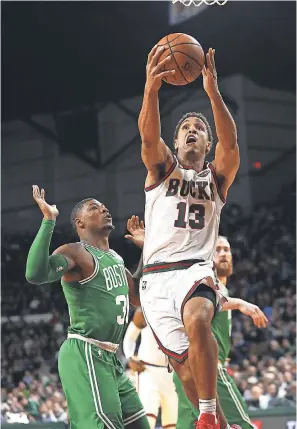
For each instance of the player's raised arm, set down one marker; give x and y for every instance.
(251, 310)
(40, 267)
(153, 150)
(227, 158)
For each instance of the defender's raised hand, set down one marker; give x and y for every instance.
(137, 231)
(209, 73)
(155, 69)
(50, 212)
(253, 311)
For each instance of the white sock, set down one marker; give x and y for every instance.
(207, 406)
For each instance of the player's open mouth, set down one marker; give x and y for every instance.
(191, 139)
(108, 217)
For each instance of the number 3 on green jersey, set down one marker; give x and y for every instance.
(123, 301)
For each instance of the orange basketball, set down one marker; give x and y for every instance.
(187, 58)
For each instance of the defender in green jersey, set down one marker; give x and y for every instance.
(232, 403)
(96, 286)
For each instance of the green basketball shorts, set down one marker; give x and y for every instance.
(98, 392)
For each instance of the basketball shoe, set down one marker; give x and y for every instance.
(207, 421)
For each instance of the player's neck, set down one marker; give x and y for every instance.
(195, 164)
(99, 241)
(223, 280)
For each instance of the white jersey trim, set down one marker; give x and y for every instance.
(155, 185)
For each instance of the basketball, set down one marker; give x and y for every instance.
(187, 58)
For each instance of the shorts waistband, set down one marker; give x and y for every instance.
(109, 347)
(169, 266)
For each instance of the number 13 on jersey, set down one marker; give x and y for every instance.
(198, 222)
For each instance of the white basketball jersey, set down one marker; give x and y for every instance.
(149, 350)
(182, 215)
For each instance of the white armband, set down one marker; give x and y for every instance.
(130, 339)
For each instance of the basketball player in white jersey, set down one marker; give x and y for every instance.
(154, 384)
(184, 197)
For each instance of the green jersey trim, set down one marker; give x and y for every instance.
(233, 395)
(136, 416)
(110, 252)
(95, 388)
(95, 272)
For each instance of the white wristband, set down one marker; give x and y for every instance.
(130, 339)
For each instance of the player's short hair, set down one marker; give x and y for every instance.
(194, 115)
(76, 209)
(224, 237)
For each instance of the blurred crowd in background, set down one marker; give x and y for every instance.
(262, 361)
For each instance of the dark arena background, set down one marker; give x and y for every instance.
(73, 75)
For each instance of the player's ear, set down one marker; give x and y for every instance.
(79, 223)
(208, 147)
(175, 144)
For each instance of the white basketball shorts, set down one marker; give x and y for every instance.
(163, 295)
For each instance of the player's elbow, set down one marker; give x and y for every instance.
(234, 142)
(146, 146)
(229, 142)
(149, 138)
(32, 277)
(231, 150)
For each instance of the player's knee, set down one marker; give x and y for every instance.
(197, 319)
(198, 325)
(199, 311)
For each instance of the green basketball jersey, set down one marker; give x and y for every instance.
(99, 305)
(221, 328)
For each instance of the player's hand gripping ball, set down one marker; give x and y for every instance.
(187, 58)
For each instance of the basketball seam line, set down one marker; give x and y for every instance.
(176, 62)
(181, 52)
(186, 43)
(171, 40)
